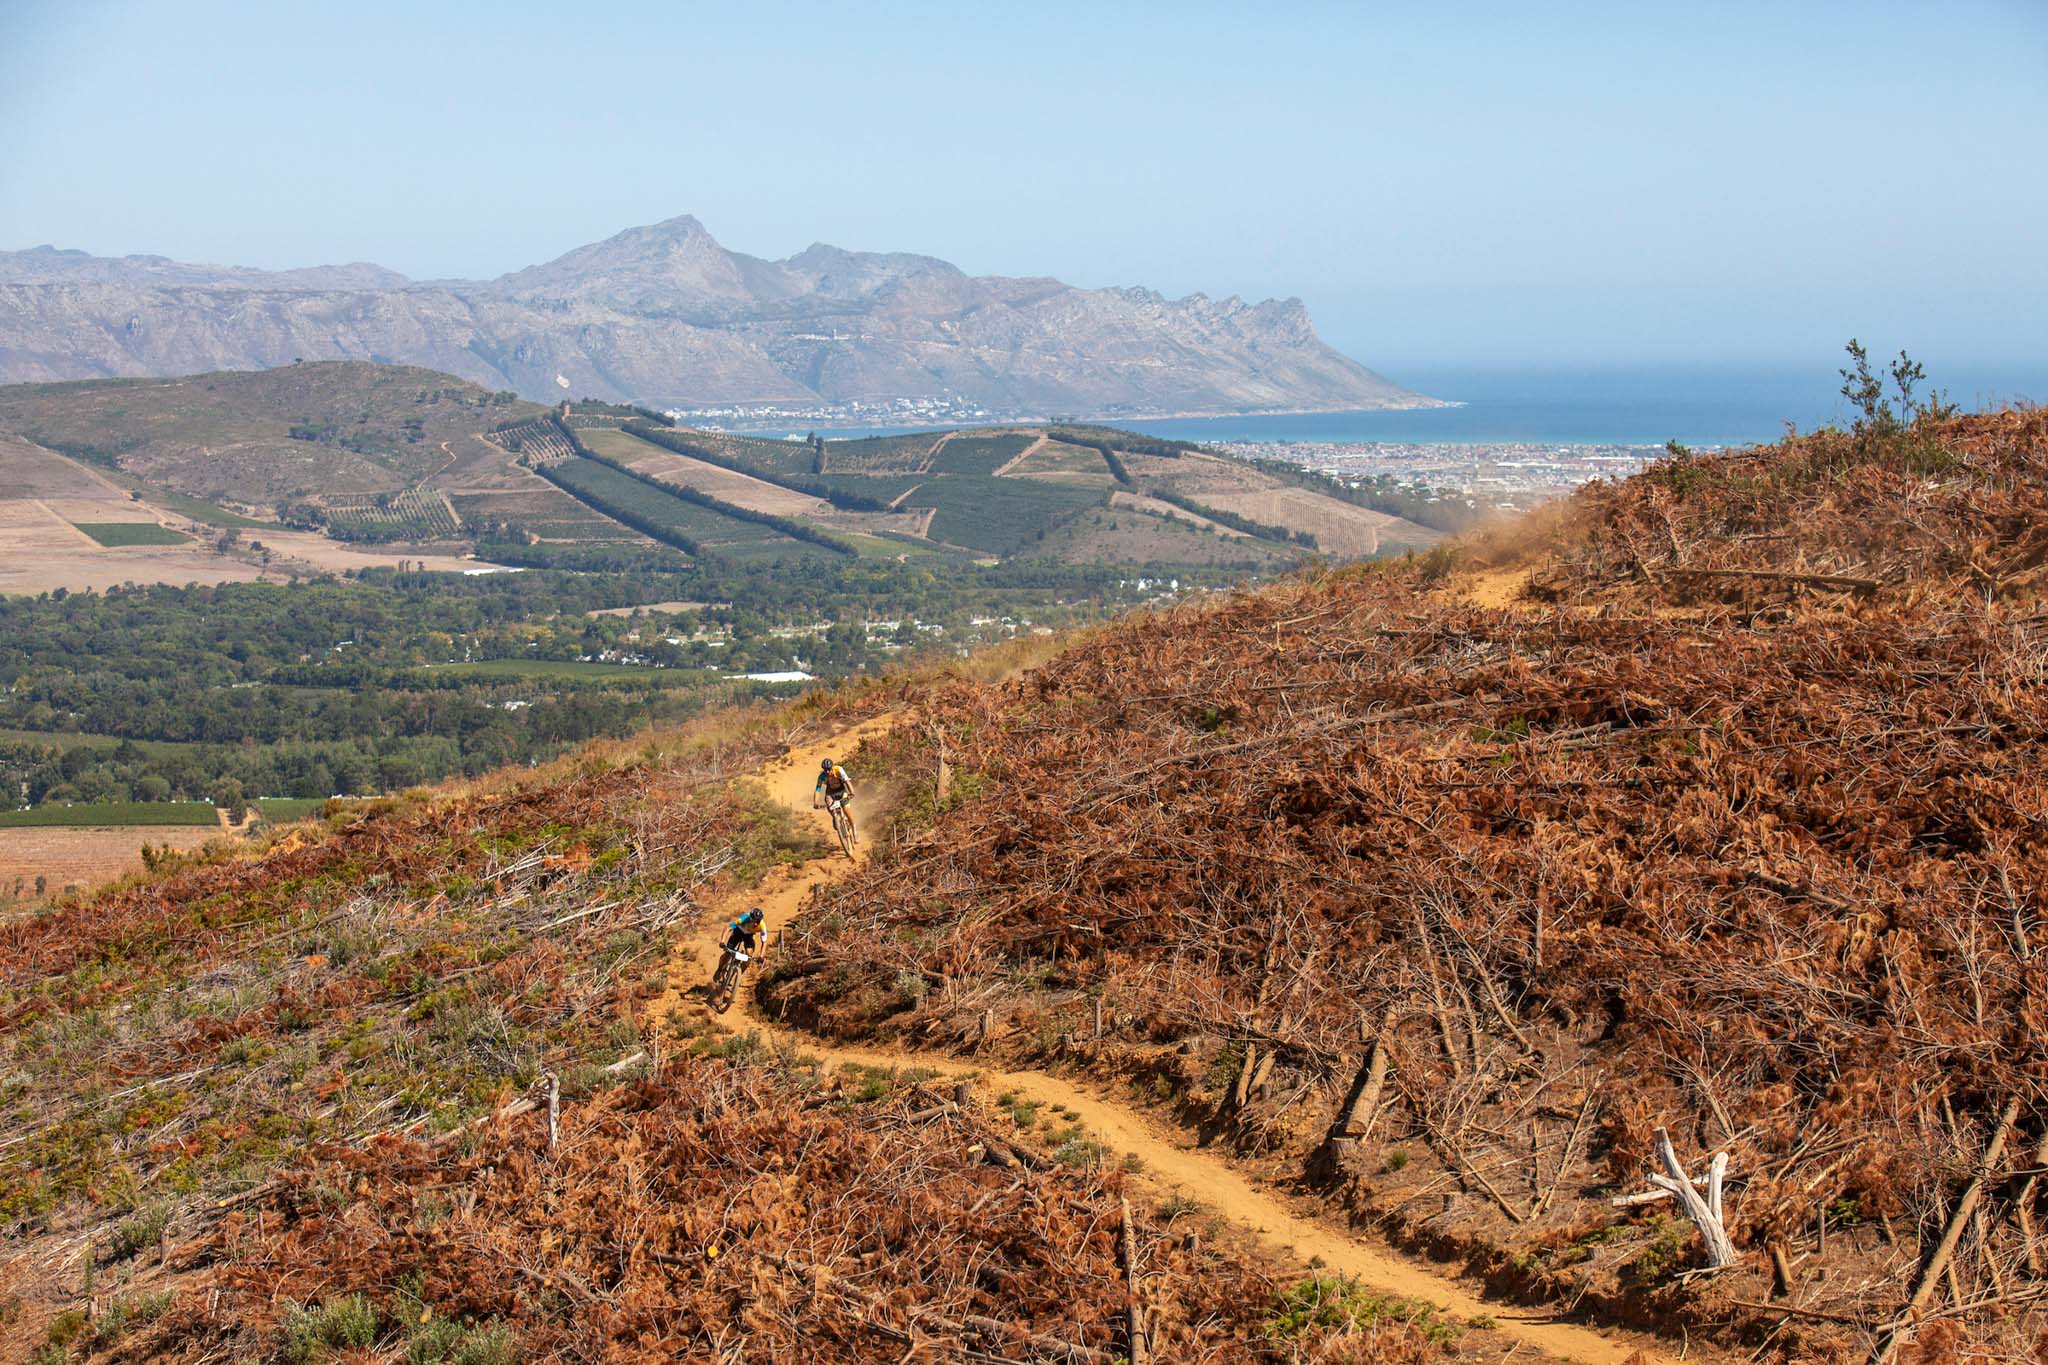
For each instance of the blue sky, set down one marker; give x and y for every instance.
(1501, 185)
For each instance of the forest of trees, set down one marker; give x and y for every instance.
(390, 679)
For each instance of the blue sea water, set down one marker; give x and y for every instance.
(1634, 407)
(1697, 407)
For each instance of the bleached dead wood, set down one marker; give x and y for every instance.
(1704, 1211)
(1357, 1121)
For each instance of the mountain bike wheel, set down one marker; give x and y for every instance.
(842, 825)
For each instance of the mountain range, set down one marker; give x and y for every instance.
(664, 315)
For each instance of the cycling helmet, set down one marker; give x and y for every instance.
(753, 916)
(825, 766)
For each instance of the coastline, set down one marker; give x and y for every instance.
(1118, 419)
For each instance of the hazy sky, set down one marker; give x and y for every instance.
(1480, 184)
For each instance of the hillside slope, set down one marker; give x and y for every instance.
(666, 316)
(1719, 806)
(386, 453)
(423, 1085)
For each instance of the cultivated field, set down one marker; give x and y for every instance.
(68, 858)
(741, 490)
(1123, 534)
(1339, 527)
(41, 551)
(654, 608)
(1159, 508)
(313, 551)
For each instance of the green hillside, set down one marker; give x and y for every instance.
(406, 458)
(264, 437)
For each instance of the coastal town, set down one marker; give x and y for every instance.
(1503, 474)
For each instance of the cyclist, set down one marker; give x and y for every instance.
(833, 785)
(745, 933)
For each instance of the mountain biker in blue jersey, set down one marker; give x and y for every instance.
(745, 933)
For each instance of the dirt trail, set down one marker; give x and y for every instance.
(1021, 456)
(1167, 1163)
(1496, 587)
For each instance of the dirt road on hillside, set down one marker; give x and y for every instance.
(1206, 1176)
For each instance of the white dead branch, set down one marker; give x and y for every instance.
(1705, 1211)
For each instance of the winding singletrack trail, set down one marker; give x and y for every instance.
(1207, 1176)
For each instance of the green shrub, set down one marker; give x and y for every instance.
(1661, 1257)
(1078, 1151)
(310, 1333)
(444, 1341)
(141, 1230)
(1343, 1304)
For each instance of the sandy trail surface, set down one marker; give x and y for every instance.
(1168, 1162)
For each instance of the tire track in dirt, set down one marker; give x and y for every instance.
(1166, 1164)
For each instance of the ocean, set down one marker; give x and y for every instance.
(1640, 407)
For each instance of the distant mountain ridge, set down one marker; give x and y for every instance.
(665, 315)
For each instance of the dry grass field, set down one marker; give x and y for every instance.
(44, 496)
(1339, 527)
(68, 858)
(41, 551)
(741, 490)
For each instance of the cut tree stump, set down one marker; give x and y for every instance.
(1364, 1108)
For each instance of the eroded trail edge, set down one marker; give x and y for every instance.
(1209, 1177)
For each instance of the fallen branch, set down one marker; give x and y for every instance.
(1818, 580)
(1938, 1262)
(1139, 1343)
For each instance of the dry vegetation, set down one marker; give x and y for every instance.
(1737, 827)
(391, 1090)
(1732, 828)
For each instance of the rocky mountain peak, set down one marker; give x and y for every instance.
(663, 314)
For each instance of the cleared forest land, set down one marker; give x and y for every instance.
(1722, 827)
(512, 1133)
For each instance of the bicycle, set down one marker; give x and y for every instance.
(725, 981)
(842, 823)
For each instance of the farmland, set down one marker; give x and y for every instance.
(726, 485)
(688, 526)
(307, 470)
(996, 516)
(978, 455)
(112, 813)
(409, 515)
(118, 533)
(282, 809)
(40, 862)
